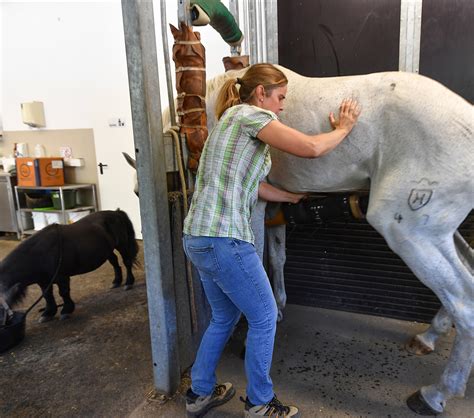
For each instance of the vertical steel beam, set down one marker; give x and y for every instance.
(410, 35)
(184, 11)
(144, 88)
(252, 31)
(271, 33)
(166, 57)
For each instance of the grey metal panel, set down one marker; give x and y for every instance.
(339, 37)
(348, 266)
(447, 44)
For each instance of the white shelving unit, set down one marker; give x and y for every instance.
(86, 196)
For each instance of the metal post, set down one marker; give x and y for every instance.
(252, 12)
(271, 19)
(410, 35)
(144, 87)
(166, 55)
(184, 13)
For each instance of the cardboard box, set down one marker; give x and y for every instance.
(40, 171)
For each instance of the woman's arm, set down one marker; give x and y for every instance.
(297, 143)
(273, 194)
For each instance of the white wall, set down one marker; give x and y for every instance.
(71, 56)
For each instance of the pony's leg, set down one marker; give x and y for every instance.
(130, 280)
(424, 343)
(113, 259)
(277, 258)
(51, 307)
(434, 259)
(65, 293)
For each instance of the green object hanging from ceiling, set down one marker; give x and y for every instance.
(213, 12)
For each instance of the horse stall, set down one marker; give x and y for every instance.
(341, 265)
(353, 303)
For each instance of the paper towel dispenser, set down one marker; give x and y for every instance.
(32, 114)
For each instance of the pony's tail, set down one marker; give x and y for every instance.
(228, 96)
(128, 239)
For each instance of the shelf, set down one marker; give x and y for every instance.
(78, 209)
(89, 197)
(64, 187)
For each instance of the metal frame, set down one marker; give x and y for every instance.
(142, 64)
(410, 35)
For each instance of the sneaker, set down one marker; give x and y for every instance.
(198, 406)
(274, 408)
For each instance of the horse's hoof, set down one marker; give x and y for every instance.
(417, 404)
(64, 316)
(417, 347)
(45, 318)
(115, 285)
(128, 287)
(280, 316)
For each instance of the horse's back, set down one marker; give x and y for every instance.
(409, 124)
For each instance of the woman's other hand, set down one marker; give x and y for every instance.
(349, 112)
(273, 194)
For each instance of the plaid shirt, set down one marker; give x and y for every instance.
(232, 165)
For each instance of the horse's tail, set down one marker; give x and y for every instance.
(127, 237)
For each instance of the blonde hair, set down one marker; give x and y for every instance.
(266, 75)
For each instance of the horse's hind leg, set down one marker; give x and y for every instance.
(51, 307)
(425, 343)
(117, 270)
(65, 293)
(434, 260)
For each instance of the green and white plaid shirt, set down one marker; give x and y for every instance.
(232, 165)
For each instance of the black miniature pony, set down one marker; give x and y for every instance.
(64, 251)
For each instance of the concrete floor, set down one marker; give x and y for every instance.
(337, 364)
(329, 363)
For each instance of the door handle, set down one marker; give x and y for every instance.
(101, 167)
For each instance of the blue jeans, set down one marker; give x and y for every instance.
(235, 282)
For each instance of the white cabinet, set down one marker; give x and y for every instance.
(8, 220)
(85, 200)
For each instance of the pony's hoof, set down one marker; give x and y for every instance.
(417, 347)
(417, 404)
(64, 316)
(128, 287)
(115, 285)
(45, 318)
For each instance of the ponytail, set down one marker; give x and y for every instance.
(228, 97)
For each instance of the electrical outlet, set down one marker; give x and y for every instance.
(117, 122)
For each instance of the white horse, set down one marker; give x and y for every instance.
(414, 148)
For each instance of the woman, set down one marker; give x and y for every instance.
(219, 241)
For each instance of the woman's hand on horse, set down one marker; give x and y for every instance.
(349, 112)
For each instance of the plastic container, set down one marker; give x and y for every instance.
(13, 331)
(38, 200)
(39, 220)
(75, 216)
(69, 199)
